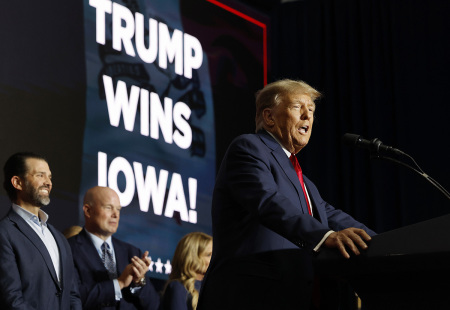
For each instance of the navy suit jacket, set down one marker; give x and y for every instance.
(176, 296)
(27, 276)
(262, 231)
(96, 289)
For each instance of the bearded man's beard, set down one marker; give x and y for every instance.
(35, 197)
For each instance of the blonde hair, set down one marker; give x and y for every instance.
(187, 262)
(270, 96)
(72, 231)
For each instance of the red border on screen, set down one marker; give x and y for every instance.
(254, 21)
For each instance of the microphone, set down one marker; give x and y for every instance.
(374, 146)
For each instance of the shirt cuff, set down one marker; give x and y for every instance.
(117, 291)
(317, 248)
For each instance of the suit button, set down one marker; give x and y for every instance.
(300, 244)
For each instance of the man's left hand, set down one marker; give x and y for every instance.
(351, 238)
(140, 267)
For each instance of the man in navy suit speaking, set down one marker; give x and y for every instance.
(111, 273)
(267, 218)
(36, 265)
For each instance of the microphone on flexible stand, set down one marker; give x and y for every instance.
(379, 150)
(375, 146)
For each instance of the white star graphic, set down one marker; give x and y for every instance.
(168, 267)
(151, 264)
(159, 265)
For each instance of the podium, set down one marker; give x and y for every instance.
(405, 268)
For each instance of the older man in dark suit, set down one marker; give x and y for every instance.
(36, 266)
(112, 273)
(267, 217)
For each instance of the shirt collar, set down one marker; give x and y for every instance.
(288, 154)
(27, 215)
(99, 241)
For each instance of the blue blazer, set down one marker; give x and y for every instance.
(96, 289)
(176, 296)
(263, 235)
(27, 277)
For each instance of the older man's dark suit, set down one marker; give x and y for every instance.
(96, 289)
(263, 235)
(27, 276)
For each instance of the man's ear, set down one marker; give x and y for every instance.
(268, 117)
(87, 210)
(16, 182)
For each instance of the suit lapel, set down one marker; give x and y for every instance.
(285, 165)
(316, 212)
(29, 233)
(62, 253)
(86, 245)
(121, 256)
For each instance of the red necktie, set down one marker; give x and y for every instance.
(298, 169)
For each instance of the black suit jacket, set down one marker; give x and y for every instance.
(96, 289)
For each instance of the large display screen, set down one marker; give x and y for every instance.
(166, 85)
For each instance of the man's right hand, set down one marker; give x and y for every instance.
(126, 277)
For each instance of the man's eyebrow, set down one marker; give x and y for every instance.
(311, 103)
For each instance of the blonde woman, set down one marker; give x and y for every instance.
(190, 261)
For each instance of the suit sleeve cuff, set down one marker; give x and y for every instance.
(317, 248)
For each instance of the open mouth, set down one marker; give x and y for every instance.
(304, 129)
(44, 191)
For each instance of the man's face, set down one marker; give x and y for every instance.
(37, 183)
(292, 120)
(103, 214)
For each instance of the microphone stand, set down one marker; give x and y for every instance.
(374, 153)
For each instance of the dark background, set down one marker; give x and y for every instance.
(42, 95)
(383, 67)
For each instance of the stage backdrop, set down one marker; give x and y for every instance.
(140, 114)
